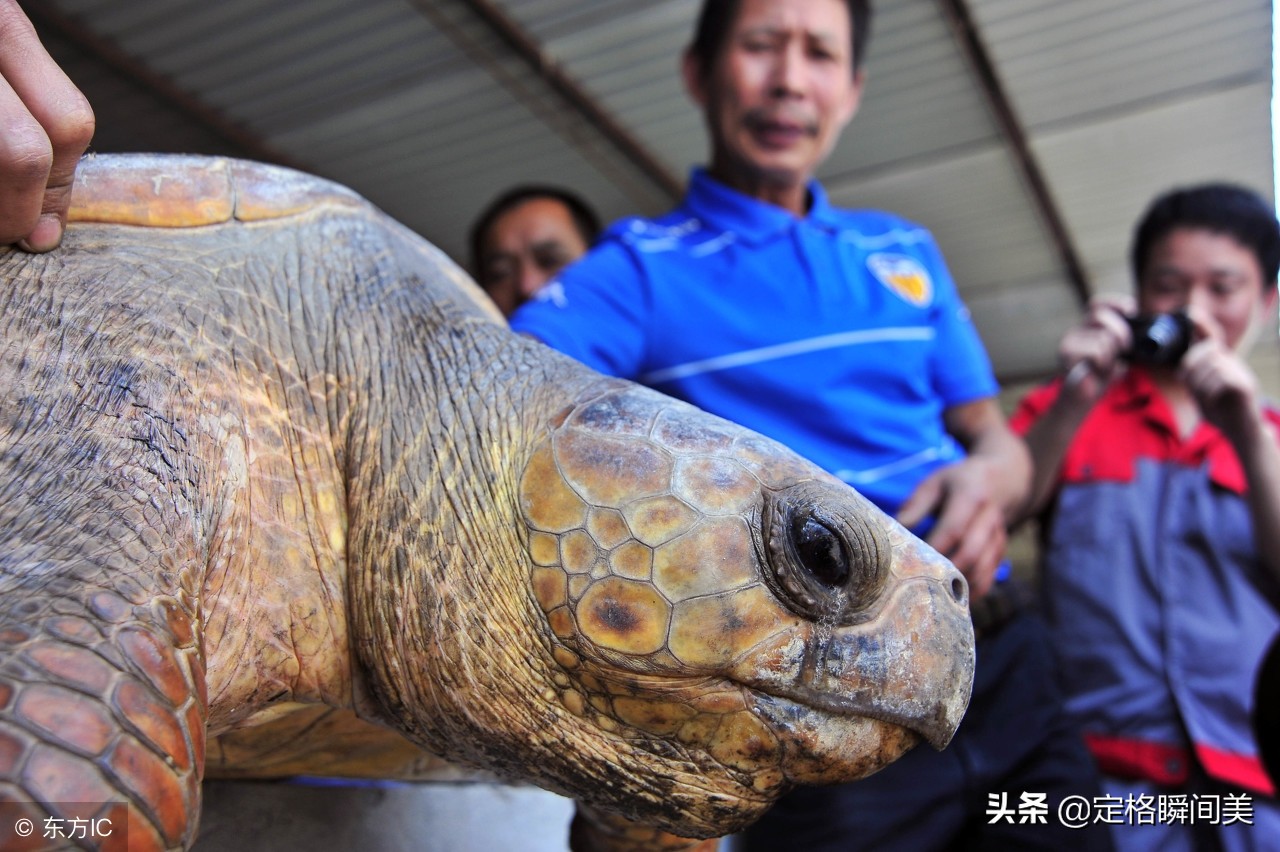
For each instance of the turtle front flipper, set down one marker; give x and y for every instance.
(101, 716)
(102, 687)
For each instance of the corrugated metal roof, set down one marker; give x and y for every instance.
(431, 107)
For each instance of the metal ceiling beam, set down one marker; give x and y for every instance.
(117, 60)
(545, 69)
(966, 35)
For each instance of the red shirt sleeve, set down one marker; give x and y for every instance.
(1033, 406)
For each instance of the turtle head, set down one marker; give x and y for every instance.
(728, 620)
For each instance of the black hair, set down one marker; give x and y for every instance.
(584, 218)
(1221, 208)
(717, 17)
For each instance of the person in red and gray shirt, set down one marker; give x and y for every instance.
(1158, 486)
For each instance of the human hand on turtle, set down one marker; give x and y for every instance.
(45, 125)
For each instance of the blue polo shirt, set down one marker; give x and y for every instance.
(839, 334)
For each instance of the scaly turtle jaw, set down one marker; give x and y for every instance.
(936, 728)
(819, 748)
(910, 665)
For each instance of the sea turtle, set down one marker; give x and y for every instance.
(281, 493)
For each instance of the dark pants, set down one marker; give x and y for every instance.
(1014, 739)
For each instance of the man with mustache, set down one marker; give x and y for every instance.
(841, 334)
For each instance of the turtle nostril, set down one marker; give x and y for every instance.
(820, 550)
(958, 587)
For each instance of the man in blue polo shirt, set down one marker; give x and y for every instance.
(739, 306)
(842, 335)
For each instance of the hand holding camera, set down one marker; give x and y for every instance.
(1115, 333)
(1092, 353)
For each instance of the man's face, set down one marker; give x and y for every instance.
(1208, 271)
(524, 248)
(779, 93)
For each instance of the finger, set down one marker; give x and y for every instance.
(921, 502)
(61, 112)
(1196, 355)
(974, 541)
(1116, 306)
(983, 574)
(25, 160)
(1111, 336)
(1215, 374)
(957, 518)
(1116, 326)
(945, 537)
(1100, 349)
(1206, 360)
(1097, 342)
(980, 573)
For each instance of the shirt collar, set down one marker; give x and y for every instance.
(750, 218)
(1137, 390)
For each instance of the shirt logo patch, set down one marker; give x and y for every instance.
(553, 292)
(904, 275)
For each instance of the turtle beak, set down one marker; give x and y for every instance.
(889, 635)
(912, 665)
(908, 662)
(864, 694)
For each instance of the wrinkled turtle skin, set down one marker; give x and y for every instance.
(281, 493)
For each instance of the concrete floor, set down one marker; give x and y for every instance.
(266, 816)
(260, 816)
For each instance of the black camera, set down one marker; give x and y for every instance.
(1159, 340)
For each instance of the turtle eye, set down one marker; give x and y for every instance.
(820, 551)
(826, 551)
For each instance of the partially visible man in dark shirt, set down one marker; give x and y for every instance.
(524, 237)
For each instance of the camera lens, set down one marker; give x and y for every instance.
(1159, 340)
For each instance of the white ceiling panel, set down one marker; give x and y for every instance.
(1106, 172)
(1022, 326)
